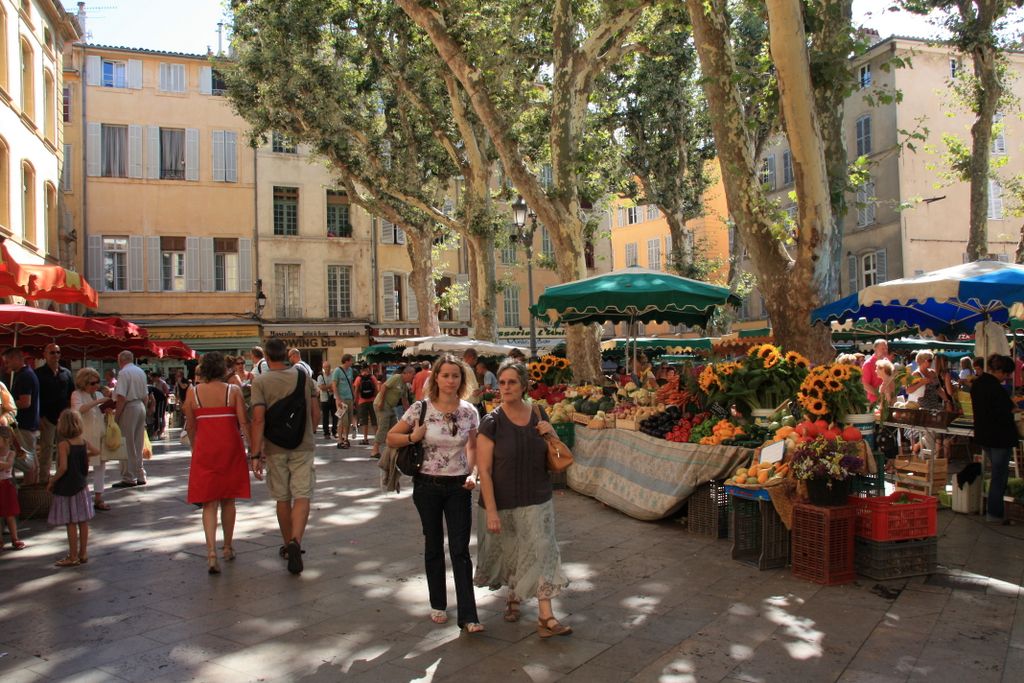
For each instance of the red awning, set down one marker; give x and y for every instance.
(174, 349)
(59, 284)
(14, 280)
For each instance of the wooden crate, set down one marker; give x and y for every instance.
(912, 473)
(581, 419)
(627, 423)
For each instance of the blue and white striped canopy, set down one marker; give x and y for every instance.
(946, 301)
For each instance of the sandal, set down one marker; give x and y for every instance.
(345, 444)
(212, 567)
(473, 627)
(83, 559)
(512, 610)
(228, 552)
(438, 616)
(550, 627)
(101, 505)
(18, 544)
(67, 562)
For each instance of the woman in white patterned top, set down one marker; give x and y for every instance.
(442, 490)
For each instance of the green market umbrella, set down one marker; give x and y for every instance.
(669, 344)
(633, 295)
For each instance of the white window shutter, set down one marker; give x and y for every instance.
(464, 311)
(154, 264)
(399, 235)
(135, 74)
(218, 154)
(134, 151)
(852, 276)
(206, 80)
(206, 263)
(153, 152)
(165, 77)
(93, 150)
(389, 297)
(387, 232)
(230, 156)
(135, 272)
(94, 260)
(191, 154)
(192, 278)
(93, 70)
(622, 216)
(180, 77)
(244, 265)
(881, 266)
(412, 307)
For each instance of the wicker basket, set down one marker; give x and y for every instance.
(34, 501)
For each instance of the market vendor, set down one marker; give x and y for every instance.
(994, 428)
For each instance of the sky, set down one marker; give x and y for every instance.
(191, 25)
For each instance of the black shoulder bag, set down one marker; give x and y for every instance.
(409, 459)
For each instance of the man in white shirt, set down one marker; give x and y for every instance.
(295, 358)
(259, 362)
(130, 412)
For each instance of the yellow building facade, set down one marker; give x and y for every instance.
(33, 35)
(161, 195)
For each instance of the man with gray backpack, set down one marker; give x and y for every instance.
(285, 412)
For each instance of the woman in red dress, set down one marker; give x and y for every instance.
(216, 421)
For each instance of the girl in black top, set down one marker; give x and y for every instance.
(71, 504)
(994, 427)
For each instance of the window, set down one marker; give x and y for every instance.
(865, 76)
(3, 48)
(787, 168)
(632, 215)
(172, 264)
(863, 136)
(279, 143)
(338, 223)
(869, 269)
(286, 290)
(767, 174)
(511, 306)
(67, 104)
(995, 200)
(225, 264)
(49, 107)
(114, 146)
(339, 291)
(172, 77)
(631, 254)
(5, 185)
(218, 86)
(954, 67)
(792, 215)
(508, 254)
(546, 177)
(28, 201)
(547, 249)
(998, 134)
(652, 212)
(286, 210)
(48, 240)
(172, 153)
(654, 254)
(391, 233)
(866, 204)
(28, 81)
(114, 74)
(225, 158)
(392, 288)
(115, 264)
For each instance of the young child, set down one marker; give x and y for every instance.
(9, 508)
(72, 505)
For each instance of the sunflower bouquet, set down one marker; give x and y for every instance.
(834, 389)
(766, 377)
(550, 370)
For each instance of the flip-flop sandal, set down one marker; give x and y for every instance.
(345, 444)
(67, 562)
(18, 545)
(101, 506)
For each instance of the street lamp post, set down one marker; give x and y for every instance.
(520, 212)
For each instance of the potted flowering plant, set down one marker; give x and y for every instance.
(834, 389)
(827, 465)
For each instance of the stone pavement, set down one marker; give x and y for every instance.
(648, 601)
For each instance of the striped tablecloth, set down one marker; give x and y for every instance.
(644, 477)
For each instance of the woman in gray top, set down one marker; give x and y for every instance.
(516, 531)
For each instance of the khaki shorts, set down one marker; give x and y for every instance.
(290, 475)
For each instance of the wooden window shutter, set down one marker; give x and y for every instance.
(135, 267)
(191, 154)
(134, 151)
(230, 156)
(389, 297)
(412, 306)
(153, 152)
(218, 154)
(245, 265)
(93, 149)
(135, 74)
(95, 263)
(206, 80)
(93, 70)
(154, 266)
(852, 277)
(206, 263)
(192, 268)
(881, 266)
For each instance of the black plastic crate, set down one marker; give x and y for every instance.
(759, 538)
(709, 510)
(895, 559)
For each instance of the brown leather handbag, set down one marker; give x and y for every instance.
(559, 455)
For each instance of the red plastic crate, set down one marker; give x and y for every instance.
(823, 548)
(878, 519)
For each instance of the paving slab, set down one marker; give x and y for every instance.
(648, 601)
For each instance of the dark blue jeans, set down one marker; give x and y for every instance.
(999, 462)
(446, 502)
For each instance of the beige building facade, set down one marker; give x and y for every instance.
(33, 36)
